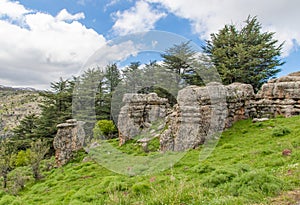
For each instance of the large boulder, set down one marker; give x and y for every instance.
(69, 138)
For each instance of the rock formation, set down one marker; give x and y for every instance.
(201, 112)
(279, 97)
(69, 138)
(139, 113)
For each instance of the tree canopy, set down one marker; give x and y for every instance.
(248, 55)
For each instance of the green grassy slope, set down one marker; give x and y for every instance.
(246, 167)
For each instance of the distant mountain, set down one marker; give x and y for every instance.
(5, 88)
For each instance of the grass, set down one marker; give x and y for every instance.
(246, 167)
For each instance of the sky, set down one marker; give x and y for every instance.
(43, 40)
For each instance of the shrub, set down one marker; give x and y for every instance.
(22, 158)
(280, 131)
(104, 128)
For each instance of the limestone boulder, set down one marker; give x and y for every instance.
(139, 114)
(203, 112)
(69, 138)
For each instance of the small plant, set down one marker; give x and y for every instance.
(104, 128)
(38, 150)
(22, 158)
(280, 131)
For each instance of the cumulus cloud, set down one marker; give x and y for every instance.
(64, 15)
(139, 18)
(280, 16)
(40, 48)
(14, 10)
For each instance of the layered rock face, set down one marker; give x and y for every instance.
(69, 138)
(279, 97)
(139, 113)
(203, 112)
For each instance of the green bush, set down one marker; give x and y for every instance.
(104, 128)
(22, 158)
(280, 131)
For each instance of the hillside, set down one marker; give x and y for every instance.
(16, 103)
(253, 163)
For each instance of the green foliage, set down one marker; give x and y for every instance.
(22, 158)
(280, 131)
(26, 127)
(38, 149)
(104, 128)
(181, 60)
(247, 55)
(244, 168)
(6, 159)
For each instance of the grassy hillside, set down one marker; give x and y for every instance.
(246, 167)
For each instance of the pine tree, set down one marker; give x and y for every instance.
(247, 55)
(181, 59)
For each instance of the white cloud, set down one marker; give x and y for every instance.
(42, 47)
(139, 18)
(110, 4)
(64, 15)
(208, 17)
(13, 10)
(108, 54)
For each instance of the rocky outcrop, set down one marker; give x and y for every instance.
(139, 113)
(201, 112)
(204, 111)
(279, 97)
(69, 138)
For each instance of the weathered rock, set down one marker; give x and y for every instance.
(204, 111)
(279, 97)
(139, 113)
(69, 138)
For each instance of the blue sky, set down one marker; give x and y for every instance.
(42, 40)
